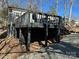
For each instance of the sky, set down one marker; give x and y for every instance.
(47, 5)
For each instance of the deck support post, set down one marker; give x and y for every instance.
(46, 30)
(58, 36)
(10, 30)
(15, 33)
(58, 33)
(28, 38)
(10, 23)
(22, 40)
(46, 36)
(20, 33)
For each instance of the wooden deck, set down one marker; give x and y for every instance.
(36, 27)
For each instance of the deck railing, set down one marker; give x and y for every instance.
(27, 18)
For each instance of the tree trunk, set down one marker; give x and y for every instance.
(70, 10)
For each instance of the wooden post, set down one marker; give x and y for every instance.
(20, 33)
(15, 33)
(57, 27)
(22, 40)
(46, 30)
(58, 36)
(28, 38)
(28, 34)
(10, 23)
(13, 30)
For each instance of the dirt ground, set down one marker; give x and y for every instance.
(10, 48)
(68, 48)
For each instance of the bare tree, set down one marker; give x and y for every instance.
(65, 6)
(3, 13)
(57, 7)
(32, 5)
(70, 10)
